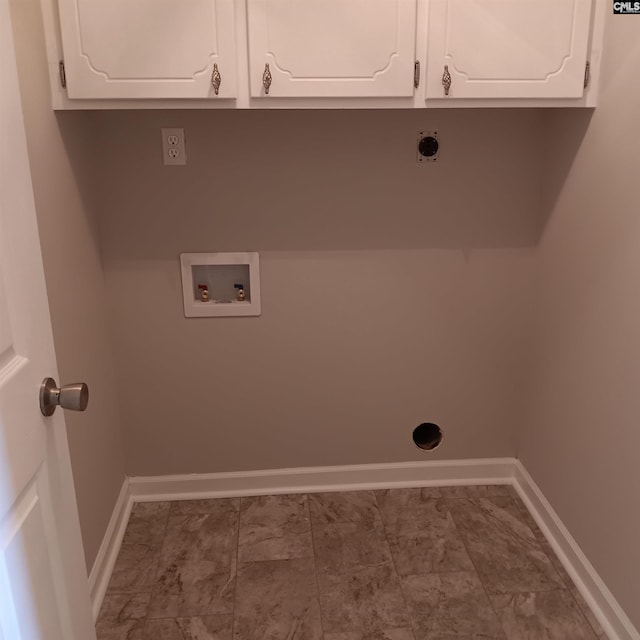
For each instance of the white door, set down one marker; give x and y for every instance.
(332, 48)
(148, 48)
(507, 48)
(44, 592)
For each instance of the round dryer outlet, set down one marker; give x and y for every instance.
(428, 146)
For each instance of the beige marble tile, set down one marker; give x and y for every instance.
(519, 511)
(222, 507)
(147, 523)
(350, 546)
(424, 538)
(199, 628)
(135, 569)
(488, 490)
(566, 578)
(451, 606)
(122, 617)
(573, 590)
(197, 566)
(555, 561)
(136, 566)
(546, 615)
(513, 492)
(586, 611)
(392, 501)
(274, 528)
(192, 571)
(504, 550)
(528, 519)
(368, 601)
(404, 633)
(348, 506)
(277, 600)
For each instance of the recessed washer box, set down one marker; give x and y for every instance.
(222, 275)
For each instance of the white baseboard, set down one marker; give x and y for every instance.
(109, 549)
(314, 479)
(614, 621)
(604, 606)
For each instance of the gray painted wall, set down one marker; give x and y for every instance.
(580, 437)
(392, 292)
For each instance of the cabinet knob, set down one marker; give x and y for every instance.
(216, 79)
(446, 80)
(266, 78)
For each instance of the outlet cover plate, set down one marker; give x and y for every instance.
(173, 147)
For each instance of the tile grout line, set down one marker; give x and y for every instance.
(475, 569)
(315, 566)
(395, 568)
(235, 582)
(155, 577)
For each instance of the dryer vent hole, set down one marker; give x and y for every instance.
(427, 436)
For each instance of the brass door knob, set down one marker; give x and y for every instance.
(74, 397)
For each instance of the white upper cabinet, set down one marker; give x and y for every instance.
(331, 48)
(148, 48)
(323, 53)
(507, 48)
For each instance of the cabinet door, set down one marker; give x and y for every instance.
(508, 48)
(332, 48)
(148, 48)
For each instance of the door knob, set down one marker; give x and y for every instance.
(74, 397)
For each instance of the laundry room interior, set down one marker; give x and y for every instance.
(490, 294)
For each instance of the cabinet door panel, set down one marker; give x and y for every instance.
(332, 48)
(508, 48)
(148, 48)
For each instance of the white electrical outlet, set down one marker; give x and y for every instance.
(173, 147)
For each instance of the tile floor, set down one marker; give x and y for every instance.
(448, 563)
